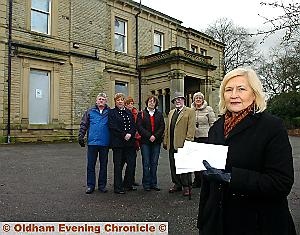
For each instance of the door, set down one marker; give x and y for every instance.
(39, 100)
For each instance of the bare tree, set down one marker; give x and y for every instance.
(240, 48)
(289, 20)
(281, 73)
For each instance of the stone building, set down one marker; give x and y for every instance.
(64, 52)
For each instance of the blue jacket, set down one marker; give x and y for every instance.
(96, 124)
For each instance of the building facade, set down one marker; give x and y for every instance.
(64, 52)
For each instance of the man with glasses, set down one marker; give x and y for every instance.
(180, 127)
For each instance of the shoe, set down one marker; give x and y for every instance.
(186, 191)
(103, 190)
(155, 188)
(89, 190)
(131, 189)
(147, 189)
(175, 189)
(136, 184)
(119, 192)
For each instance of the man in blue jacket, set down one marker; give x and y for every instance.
(95, 123)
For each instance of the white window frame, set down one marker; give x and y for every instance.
(158, 47)
(121, 35)
(45, 13)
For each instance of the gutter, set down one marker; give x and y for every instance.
(10, 4)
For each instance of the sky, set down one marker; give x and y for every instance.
(199, 14)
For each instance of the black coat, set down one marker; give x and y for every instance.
(117, 128)
(261, 165)
(145, 129)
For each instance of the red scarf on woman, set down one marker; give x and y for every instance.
(231, 120)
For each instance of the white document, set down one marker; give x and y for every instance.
(190, 157)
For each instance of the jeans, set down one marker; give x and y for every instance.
(92, 154)
(150, 155)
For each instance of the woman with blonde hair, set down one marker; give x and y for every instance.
(122, 131)
(249, 197)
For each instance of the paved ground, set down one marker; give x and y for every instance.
(46, 182)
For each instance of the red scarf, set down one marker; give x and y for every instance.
(232, 120)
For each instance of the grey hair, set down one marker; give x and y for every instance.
(102, 94)
(198, 94)
(254, 82)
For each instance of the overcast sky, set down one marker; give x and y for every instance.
(199, 14)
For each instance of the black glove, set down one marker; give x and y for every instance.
(216, 174)
(81, 141)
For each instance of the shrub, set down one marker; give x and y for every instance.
(287, 107)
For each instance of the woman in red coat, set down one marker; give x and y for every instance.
(249, 197)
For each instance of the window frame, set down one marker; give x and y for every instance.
(159, 46)
(122, 35)
(124, 84)
(48, 14)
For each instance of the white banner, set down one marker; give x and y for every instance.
(64, 228)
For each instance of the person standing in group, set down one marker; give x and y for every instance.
(205, 117)
(129, 104)
(95, 122)
(180, 127)
(122, 127)
(250, 195)
(151, 126)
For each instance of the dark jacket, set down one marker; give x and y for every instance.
(261, 165)
(145, 129)
(96, 124)
(117, 128)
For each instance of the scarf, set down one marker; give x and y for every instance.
(231, 120)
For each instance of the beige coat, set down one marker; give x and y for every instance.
(205, 117)
(184, 128)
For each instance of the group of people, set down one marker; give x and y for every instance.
(125, 131)
(249, 196)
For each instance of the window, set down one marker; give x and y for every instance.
(158, 42)
(40, 16)
(120, 35)
(203, 52)
(121, 87)
(194, 49)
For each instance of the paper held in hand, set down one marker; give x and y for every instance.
(190, 157)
